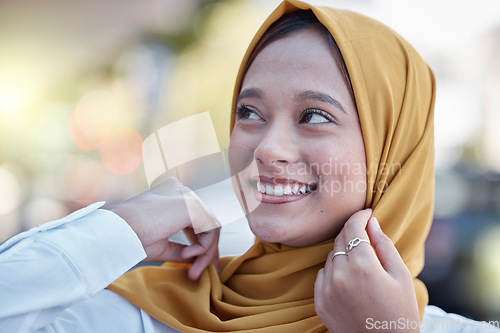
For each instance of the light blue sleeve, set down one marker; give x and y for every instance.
(436, 320)
(46, 270)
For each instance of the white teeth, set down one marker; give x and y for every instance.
(278, 190)
(287, 190)
(269, 189)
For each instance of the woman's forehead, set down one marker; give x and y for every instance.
(301, 65)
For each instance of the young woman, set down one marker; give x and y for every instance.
(337, 110)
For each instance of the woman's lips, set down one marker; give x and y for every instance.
(281, 190)
(272, 199)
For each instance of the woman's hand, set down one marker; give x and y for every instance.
(365, 289)
(165, 209)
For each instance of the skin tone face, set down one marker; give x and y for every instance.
(295, 114)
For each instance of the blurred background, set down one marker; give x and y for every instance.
(83, 84)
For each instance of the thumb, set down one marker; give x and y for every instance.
(386, 251)
(318, 286)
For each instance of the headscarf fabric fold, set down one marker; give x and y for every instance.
(270, 288)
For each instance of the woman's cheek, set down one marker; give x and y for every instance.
(240, 139)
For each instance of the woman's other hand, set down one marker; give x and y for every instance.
(365, 290)
(160, 212)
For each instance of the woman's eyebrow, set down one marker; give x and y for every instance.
(250, 92)
(319, 96)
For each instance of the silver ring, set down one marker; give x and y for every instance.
(338, 254)
(355, 242)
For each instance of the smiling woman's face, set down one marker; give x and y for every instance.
(296, 115)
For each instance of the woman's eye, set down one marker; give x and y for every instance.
(245, 112)
(315, 117)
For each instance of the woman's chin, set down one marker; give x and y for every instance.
(291, 231)
(277, 233)
(267, 231)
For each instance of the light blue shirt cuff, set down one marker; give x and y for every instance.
(51, 267)
(96, 239)
(89, 238)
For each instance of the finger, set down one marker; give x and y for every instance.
(318, 285)
(340, 242)
(163, 250)
(198, 266)
(190, 235)
(202, 243)
(202, 219)
(206, 252)
(201, 263)
(193, 251)
(216, 260)
(196, 250)
(355, 228)
(386, 252)
(339, 260)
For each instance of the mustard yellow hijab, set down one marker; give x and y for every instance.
(270, 287)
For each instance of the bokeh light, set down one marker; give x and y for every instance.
(16, 93)
(121, 153)
(9, 224)
(39, 210)
(487, 252)
(93, 120)
(10, 191)
(451, 194)
(83, 180)
(10, 100)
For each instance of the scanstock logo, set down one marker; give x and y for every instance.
(188, 149)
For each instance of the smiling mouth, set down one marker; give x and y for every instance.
(282, 190)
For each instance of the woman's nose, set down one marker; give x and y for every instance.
(277, 146)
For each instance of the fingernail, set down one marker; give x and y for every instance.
(374, 220)
(369, 210)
